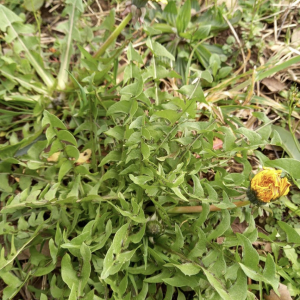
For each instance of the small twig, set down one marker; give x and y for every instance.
(198, 209)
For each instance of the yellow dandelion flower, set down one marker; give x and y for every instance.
(268, 185)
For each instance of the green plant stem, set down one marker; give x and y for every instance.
(113, 36)
(198, 208)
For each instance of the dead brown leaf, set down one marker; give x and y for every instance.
(273, 84)
(268, 247)
(84, 156)
(217, 144)
(220, 240)
(238, 227)
(54, 157)
(296, 35)
(283, 292)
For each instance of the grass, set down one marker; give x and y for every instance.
(128, 143)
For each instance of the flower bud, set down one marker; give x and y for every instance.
(154, 228)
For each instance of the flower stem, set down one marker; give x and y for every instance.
(198, 209)
(113, 36)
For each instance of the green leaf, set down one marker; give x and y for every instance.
(216, 284)
(288, 143)
(178, 193)
(111, 156)
(41, 271)
(188, 269)
(254, 275)
(50, 194)
(165, 273)
(137, 215)
(73, 294)
(170, 13)
(229, 139)
(214, 63)
(55, 291)
(292, 234)
(64, 169)
(23, 80)
(222, 227)
(290, 165)
(52, 120)
(143, 293)
(137, 237)
(201, 33)
(4, 184)
(68, 274)
(43, 297)
(250, 255)
(206, 75)
(13, 284)
(184, 17)
(119, 107)
(116, 132)
(145, 150)
(75, 187)
(50, 132)
(253, 137)
(212, 194)
(134, 139)
(133, 90)
(131, 71)
(239, 289)
(53, 250)
(200, 246)
(65, 135)
(179, 241)
(292, 255)
(158, 50)
(72, 152)
(133, 55)
(56, 146)
(170, 115)
(33, 5)
(7, 18)
(270, 272)
(225, 204)
(115, 248)
(224, 72)
(140, 180)
(86, 267)
(198, 189)
(179, 280)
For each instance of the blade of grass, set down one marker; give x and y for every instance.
(62, 77)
